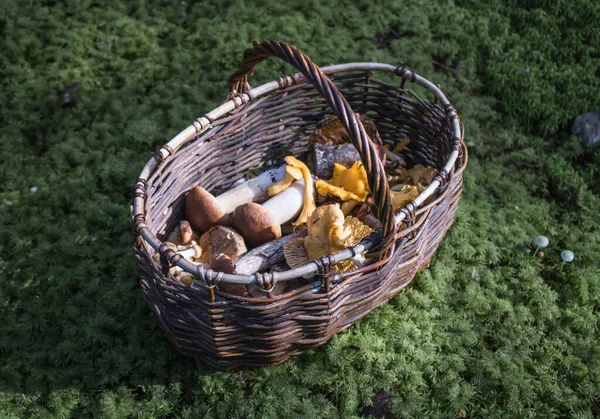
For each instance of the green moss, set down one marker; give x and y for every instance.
(488, 329)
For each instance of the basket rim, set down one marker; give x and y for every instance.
(201, 124)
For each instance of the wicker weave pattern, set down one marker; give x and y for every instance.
(232, 332)
(340, 107)
(228, 331)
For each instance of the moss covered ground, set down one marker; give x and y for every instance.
(487, 331)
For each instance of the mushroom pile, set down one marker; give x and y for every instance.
(290, 215)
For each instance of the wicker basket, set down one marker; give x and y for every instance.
(255, 129)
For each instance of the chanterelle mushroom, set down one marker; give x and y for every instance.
(204, 210)
(309, 190)
(348, 206)
(420, 176)
(403, 194)
(346, 183)
(405, 141)
(291, 174)
(328, 232)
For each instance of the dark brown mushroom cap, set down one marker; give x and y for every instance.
(221, 240)
(186, 234)
(256, 224)
(203, 210)
(223, 263)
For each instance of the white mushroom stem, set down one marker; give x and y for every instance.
(287, 205)
(253, 190)
(189, 252)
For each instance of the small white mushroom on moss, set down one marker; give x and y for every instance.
(541, 242)
(567, 257)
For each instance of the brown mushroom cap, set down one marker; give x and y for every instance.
(186, 234)
(221, 240)
(203, 210)
(222, 263)
(256, 224)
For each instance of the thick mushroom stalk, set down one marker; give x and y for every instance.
(309, 191)
(190, 252)
(259, 224)
(204, 210)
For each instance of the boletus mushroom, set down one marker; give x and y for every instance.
(259, 224)
(204, 210)
(191, 251)
(222, 247)
(182, 234)
(219, 242)
(186, 234)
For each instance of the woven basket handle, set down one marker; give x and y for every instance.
(380, 189)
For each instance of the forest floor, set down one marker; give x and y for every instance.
(488, 330)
